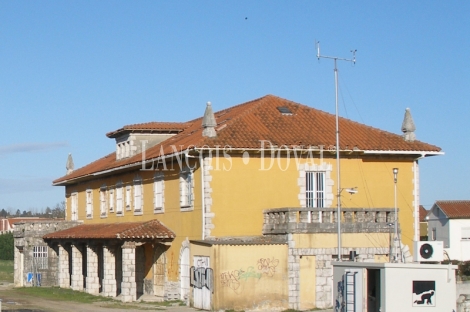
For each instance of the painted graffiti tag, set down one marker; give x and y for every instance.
(268, 266)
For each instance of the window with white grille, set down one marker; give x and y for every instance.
(158, 198)
(40, 257)
(89, 204)
(138, 199)
(119, 199)
(315, 189)
(186, 188)
(103, 202)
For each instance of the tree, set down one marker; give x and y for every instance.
(6, 246)
(3, 213)
(18, 213)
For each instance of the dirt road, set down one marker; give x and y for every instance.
(15, 301)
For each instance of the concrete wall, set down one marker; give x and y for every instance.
(458, 249)
(250, 277)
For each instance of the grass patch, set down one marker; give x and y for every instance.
(6, 271)
(60, 294)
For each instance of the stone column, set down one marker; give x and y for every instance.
(18, 266)
(92, 279)
(64, 277)
(109, 268)
(128, 285)
(77, 274)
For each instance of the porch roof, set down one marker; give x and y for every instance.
(153, 229)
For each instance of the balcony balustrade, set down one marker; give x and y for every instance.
(324, 220)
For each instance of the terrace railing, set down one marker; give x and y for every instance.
(324, 220)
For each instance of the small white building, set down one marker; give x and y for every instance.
(449, 221)
(393, 287)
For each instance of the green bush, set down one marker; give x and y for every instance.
(6, 246)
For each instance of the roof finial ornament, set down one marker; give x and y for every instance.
(208, 122)
(408, 127)
(69, 166)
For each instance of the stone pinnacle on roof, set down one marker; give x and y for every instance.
(208, 122)
(408, 127)
(69, 166)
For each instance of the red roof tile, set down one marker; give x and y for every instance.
(165, 127)
(153, 229)
(245, 125)
(422, 213)
(455, 209)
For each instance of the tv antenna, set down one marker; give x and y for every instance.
(339, 189)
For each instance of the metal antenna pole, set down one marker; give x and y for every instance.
(338, 192)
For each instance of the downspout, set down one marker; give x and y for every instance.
(416, 189)
(203, 200)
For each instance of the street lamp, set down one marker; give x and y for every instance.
(395, 178)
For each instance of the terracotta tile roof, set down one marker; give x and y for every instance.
(165, 127)
(422, 213)
(455, 209)
(245, 125)
(153, 229)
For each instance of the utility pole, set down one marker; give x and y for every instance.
(338, 193)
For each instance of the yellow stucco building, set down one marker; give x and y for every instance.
(238, 209)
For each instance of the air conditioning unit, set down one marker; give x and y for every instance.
(429, 251)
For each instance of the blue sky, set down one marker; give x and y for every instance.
(71, 71)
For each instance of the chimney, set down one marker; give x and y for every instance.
(208, 122)
(408, 127)
(69, 166)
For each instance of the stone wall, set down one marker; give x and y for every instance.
(28, 235)
(323, 271)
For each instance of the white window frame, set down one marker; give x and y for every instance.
(186, 189)
(89, 203)
(128, 197)
(315, 189)
(138, 196)
(40, 257)
(74, 206)
(158, 193)
(465, 233)
(119, 199)
(103, 201)
(433, 234)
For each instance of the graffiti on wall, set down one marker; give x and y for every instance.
(202, 277)
(268, 266)
(233, 279)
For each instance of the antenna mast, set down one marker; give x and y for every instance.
(338, 193)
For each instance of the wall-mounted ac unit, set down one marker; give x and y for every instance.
(429, 251)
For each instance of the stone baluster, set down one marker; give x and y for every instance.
(92, 279)
(64, 275)
(77, 274)
(109, 268)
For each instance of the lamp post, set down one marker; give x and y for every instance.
(395, 239)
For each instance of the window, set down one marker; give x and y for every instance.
(111, 200)
(315, 189)
(186, 188)
(119, 199)
(40, 257)
(158, 193)
(466, 233)
(89, 204)
(433, 234)
(128, 197)
(138, 200)
(103, 202)
(74, 206)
